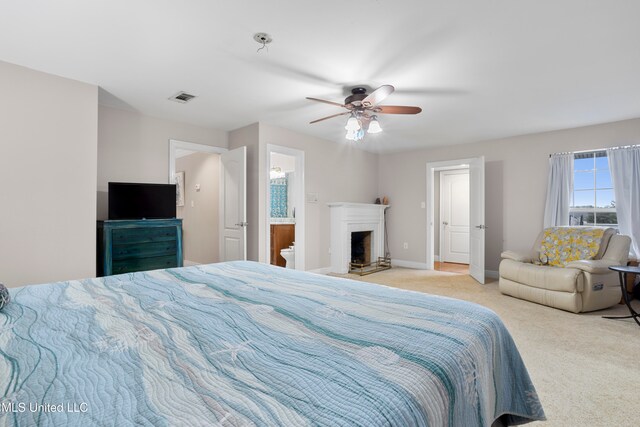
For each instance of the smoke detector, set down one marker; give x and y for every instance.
(182, 97)
(262, 38)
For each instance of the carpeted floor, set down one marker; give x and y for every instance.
(586, 369)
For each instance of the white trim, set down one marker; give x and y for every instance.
(176, 144)
(409, 264)
(436, 258)
(188, 263)
(323, 270)
(300, 202)
(431, 168)
(492, 274)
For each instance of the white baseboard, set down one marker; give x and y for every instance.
(436, 258)
(409, 264)
(324, 270)
(188, 263)
(491, 274)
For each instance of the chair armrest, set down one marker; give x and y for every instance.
(515, 256)
(593, 266)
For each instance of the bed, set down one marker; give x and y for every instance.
(243, 344)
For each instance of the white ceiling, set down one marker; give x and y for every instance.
(480, 69)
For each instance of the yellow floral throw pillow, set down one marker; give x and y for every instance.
(561, 245)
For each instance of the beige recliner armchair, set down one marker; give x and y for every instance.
(583, 285)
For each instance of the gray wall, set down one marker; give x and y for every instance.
(135, 148)
(48, 151)
(516, 179)
(200, 211)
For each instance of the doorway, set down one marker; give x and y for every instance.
(452, 241)
(455, 230)
(285, 210)
(197, 168)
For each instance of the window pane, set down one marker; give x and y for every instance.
(605, 199)
(607, 218)
(583, 164)
(583, 199)
(586, 218)
(583, 180)
(602, 163)
(603, 179)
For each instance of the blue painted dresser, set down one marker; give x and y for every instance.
(125, 246)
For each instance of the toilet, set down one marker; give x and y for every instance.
(289, 255)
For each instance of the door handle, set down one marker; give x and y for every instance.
(445, 223)
(242, 224)
(481, 227)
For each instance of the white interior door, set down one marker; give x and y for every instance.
(476, 219)
(233, 205)
(454, 215)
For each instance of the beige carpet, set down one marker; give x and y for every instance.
(586, 369)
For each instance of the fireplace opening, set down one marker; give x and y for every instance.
(361, 247)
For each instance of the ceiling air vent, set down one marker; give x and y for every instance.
(182, 97)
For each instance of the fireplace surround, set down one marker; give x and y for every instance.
(348, 218)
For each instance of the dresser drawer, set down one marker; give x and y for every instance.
(126, 246)
(143, 250)
(143, 264)
(143, 235)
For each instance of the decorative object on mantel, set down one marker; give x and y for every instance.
(377, 202)
(4, 296)
(385, 200)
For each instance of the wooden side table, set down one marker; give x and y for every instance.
(623, 273)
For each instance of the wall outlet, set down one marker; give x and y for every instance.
(423, 205)
(405, 245)
(312, 197)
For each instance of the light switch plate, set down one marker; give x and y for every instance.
(312, 197)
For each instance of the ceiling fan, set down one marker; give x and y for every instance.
(363, 109)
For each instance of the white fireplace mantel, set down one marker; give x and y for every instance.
(347, 218)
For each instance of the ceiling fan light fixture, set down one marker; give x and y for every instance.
(374, 126)
(355, 135)
(352, 124)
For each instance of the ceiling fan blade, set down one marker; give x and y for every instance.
(330, 117)
(326, 102)
(397, 109)
(378, 95)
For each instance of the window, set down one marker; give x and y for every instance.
(593, 202)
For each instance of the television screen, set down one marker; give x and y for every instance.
(129, 200)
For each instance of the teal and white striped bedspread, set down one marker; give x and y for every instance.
(243, 344)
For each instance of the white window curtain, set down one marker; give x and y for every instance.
(624, 164)
(559, 188)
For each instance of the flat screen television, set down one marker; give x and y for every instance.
(129, 200)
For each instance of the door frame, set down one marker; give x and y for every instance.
(300, 203)
(175, 144)
(441, 240)
(432, 167)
